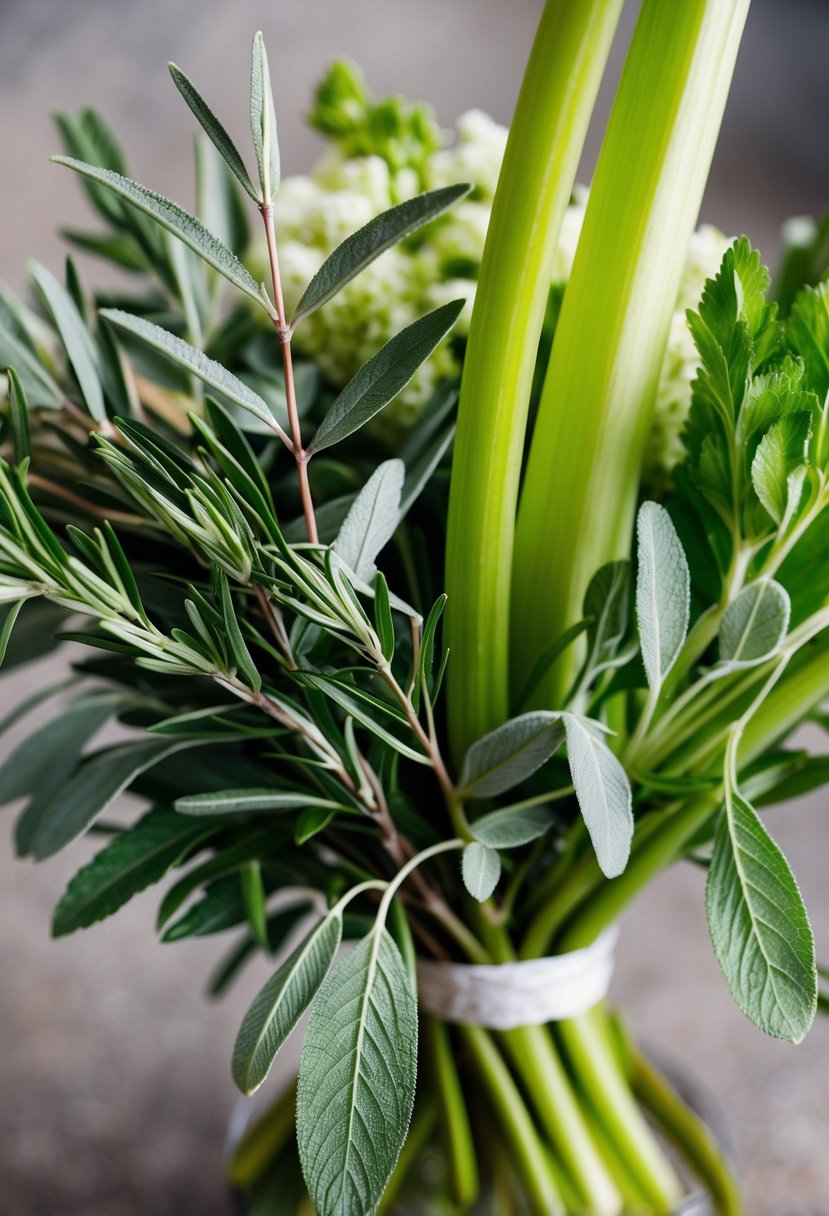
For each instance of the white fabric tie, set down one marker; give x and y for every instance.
(526, 993)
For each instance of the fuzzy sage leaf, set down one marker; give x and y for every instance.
(367, 243)
(480, 870)
(663, 591)
(214, 130)
(212, 373)
(759, 927)
(754, 625)
(263, 121)
(357, 1079)
(603, 792)
(281, 1003)
(388, 372)
(510, 753)
(511, 827)
(372, 519)
(178, 221)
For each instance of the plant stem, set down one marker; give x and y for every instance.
(283, 331)
(545, 141)
(463, 1164)
(606, 1089)
(529, 1155)
(596, 406)
(690, 1134)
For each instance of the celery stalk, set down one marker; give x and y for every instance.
(579, 495)
(551, 117)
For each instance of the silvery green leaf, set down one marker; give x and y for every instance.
(40, 388)
(176, 220)
(212, 373)
(511, 827)
(236, 802)
(368, 711)
(480, 870)
(213, 128)
(80, 348)
(759, 927)
(93, 788)
(362, 247)
(510, 753)
(663, 591)
(778, 467)
(357, 1079)
(754, 625)
(603, 793)
(281, 1003)
(263, 120)
(388, 372)
(371, 520)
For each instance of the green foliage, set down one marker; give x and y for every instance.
(481, 869)
(663, 590)
(357, 1078)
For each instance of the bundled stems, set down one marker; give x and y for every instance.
(582, 478)
(534, 188)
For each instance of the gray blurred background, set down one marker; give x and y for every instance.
(114, 1085)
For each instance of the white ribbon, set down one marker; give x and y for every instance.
(526, 993)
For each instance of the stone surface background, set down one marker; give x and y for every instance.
(114, 1087)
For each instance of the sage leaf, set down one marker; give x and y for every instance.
(214, 130)
(759, 927)
(480, 870)
(754, 625)
(511, 827)
(357, 1079)
(371, 520)
(93, 788)
(178, 221)
(362, 247)
(606, 609)
(603, 793)
(132, 862)
(779, 465)
(278, 1007)
(388, 372)
(510, 753)
(212, 373)
(80, 349)
(263, 120)
(663, 592)
(235, 802)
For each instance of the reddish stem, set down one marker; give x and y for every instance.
(283, 331)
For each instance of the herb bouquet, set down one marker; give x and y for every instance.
(468, 787)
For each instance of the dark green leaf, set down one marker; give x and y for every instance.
(383, 622)
(130, 863)
(388, 372)
(241, 655)
(311, 822)
(94, 788)
(362, 247)
(7, 626)
(281, 1003)
(357, 1079)
(177, 221)
(213, 128)
(221, 907)
(19, 415)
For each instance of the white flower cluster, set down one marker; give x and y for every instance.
(315, 213)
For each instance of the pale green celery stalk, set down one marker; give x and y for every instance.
(545, 141)
(582, 479)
